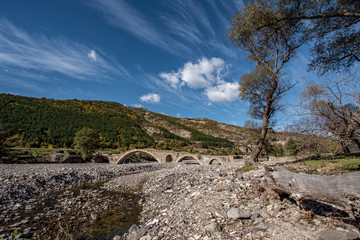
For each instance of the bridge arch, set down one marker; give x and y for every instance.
(130, 153)
(169, 158)
(188, 157)
(215, 161)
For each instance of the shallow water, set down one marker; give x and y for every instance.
(66, 221)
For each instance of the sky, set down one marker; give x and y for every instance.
(167, 56)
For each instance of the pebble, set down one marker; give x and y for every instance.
(94, 216)
(236, 213)
(212, 227)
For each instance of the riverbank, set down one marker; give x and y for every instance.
(64, 201)
(165, 201)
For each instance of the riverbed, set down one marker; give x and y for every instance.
(70, 201)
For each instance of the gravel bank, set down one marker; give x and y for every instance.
(19, 182)
(218, 202)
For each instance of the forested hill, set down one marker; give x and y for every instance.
(40, 122)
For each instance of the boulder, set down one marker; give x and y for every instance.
(329, 234)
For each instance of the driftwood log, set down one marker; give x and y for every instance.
(341, 191)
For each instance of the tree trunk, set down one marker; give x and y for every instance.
(354, 139)
(257, 149)
(342, 191)
(264, 129)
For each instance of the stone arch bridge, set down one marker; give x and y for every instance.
(163, 156)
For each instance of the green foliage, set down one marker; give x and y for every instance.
(47, 123)
(3, 148)
(270, 48)
(246, 168)
(208, 140)
(86, 142)
(340, 164)
(204, 139)
(275, 150)
(253, 88)
(291, 146)
(53, 123)
(166, 134)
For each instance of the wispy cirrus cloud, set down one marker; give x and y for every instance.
(21, 51)
(121, 14)
(190, 13)
(182, 29)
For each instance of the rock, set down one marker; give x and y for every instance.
(17, 206)
(136, 232)
(28, 207)
(147, 237)
(257, 229)
(94, 216)
(336, 235)
(117, 237)
(235, 213)
(212, 227)
(134, 228)
(254, 216)
(153, 222)
(219, 215)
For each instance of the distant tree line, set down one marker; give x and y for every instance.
(34, 122)
(48, 123)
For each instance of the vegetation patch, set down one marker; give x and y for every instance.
(246, 168)
(339, 164)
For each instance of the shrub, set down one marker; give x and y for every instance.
(86, 142)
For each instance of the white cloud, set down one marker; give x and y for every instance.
(137, 105)
(92, 55)
(150, 98)
(22, 51)
(172, 78)
(223, 93)
(206, 74)
(202, 74)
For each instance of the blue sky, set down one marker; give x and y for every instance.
(168, 56)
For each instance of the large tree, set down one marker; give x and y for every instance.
(270, 48)
(333, 26)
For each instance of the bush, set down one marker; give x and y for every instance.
(291, 147)
(86, 142)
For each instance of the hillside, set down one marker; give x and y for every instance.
(41, 122)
